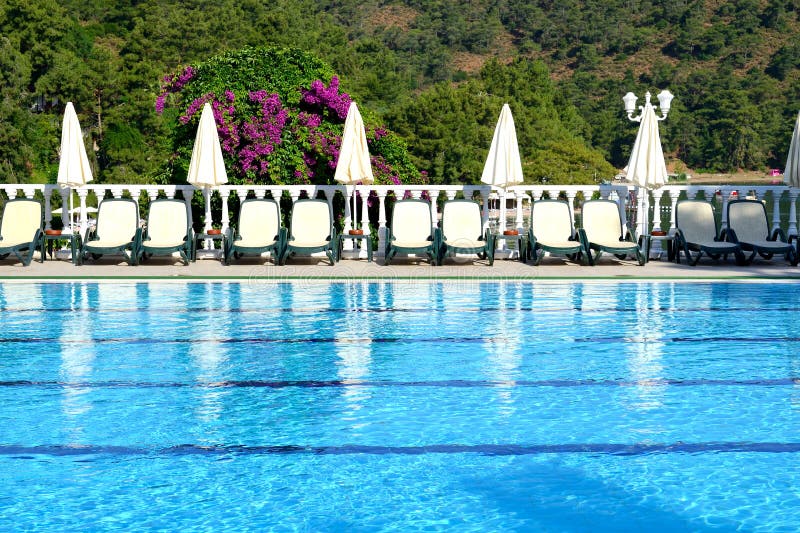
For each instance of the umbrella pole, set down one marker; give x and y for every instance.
(209, 244)
(72, 222)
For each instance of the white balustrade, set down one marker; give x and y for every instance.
(518, 198)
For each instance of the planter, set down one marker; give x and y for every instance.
(52, 232)
(214, 232)
(356, 232)
(510, 232)
(658, 233)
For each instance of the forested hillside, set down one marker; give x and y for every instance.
(434, 71)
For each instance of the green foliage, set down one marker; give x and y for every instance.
(393, 55)
(279, 114)
(451, 127)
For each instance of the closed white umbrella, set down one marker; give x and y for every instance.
(73, 164)
(503, 166)
(353, 165)
(646, 167)
(207, 168)
(791, 174)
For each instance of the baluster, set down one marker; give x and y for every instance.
(48, 216)
(657, 194)
(82, 194)
(776, 208)
(518, 223)
(725, 193)
(572, 195)
(485, 210)
(66, 216)
(674, 201)
(433, 197)
(793, 193)
(381, 222)
(365, 192)
(225, 195)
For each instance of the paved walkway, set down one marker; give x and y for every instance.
(309, 269)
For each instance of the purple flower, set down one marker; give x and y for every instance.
(160, 101)
(327, 97)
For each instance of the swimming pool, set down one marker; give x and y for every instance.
(366, 406)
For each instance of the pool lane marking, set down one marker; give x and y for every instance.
(458, 383)
(391, 340)
(31, 452)
(448, 309)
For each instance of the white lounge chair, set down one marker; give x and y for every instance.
(117, 231)
(21, 229)
(603, 231)
(411, 230)
(697, 232)
(552, 230)
(462, 231)
(748, 226)
(258, 230)
(169, 230)
(311, 230)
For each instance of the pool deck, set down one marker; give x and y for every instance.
(401, 270)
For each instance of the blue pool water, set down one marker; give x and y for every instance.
(460, 406)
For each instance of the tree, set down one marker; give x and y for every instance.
(279, 114)
(450, 128)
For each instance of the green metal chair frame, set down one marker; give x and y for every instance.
(751, 239)
(17, 248)
(184, 248)
(129, 249)
(704, 237)
(574, 252)
(392, 247)
(331, 246)
(484, 251)
(626, 245)
(233, 250)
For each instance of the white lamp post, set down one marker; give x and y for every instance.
(646, 167)
(664, 101)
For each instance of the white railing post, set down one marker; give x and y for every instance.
(225, 195)
(381, 223)
(433, 198)
(673, 200)
(365, 192)
(48, 216)
(84, 224)
(776, 208)
(66, 216)
(485, 209)
(793, 193)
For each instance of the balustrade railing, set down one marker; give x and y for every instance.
(369, 206)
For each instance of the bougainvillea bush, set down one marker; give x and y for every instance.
(279, 114)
